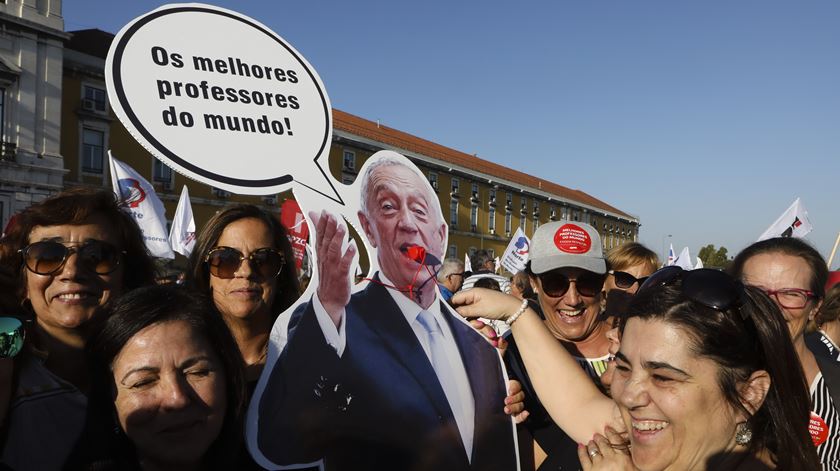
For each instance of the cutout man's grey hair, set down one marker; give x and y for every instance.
(389, 160)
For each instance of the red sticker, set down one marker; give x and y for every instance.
(571, 238)
(818, 429)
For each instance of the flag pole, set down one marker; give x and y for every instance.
(834, 250)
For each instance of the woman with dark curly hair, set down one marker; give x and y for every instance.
(244, 262)
(69, 255)
(706, 378)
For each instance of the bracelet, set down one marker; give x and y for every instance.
(510, 320)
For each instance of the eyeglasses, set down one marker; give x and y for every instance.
(706, 286)
(456, 274)
(556, 284)
(790, 298)
(625, 280)
(48, 257)
(223, 262)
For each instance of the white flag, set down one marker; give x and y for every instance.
(684, 260)
(699, 263)
(139, 199)
(467, 264)
(182, 233)
(671, 257)
(517, 252)
(792, 223)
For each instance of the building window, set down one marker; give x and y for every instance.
(95, 99)
(349, 160)
(347, 179)
(523, 223)
(508, 219)
(475, 190)
(453, 251)
(455, 186)
(161, 173)
(509, 200)
(552, 215)
(474, 217)
(93, 146)
(453, 214)
(493, 196)
(564, 213)
(491, 220)
(433, 180)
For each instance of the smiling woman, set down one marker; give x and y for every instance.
(70, 255)
(707, 378)
(169, 371)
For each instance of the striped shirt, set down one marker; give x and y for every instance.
(594, 367)
(825, 425)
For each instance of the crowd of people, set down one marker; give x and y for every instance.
(614, 362)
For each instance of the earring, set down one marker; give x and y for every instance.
(743, 434)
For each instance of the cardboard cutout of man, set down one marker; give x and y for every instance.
(388, 378)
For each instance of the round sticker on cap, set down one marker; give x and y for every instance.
(571, 238)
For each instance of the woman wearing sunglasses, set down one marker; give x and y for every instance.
(794, 275)
(567, 270)
(706, 379)
(70, 254)
(244, 261)
(629, 265)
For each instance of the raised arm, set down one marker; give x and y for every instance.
(570, 397)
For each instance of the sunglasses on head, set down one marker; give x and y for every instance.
(625, 280)
(556, 284)
(223, 262)
(48, 257)
(711, 288)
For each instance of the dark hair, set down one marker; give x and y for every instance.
(152, 305)
(522, 281)
(198, 275)
(830, 309)
(487, 282)
(759, 340)
(75, 206)
(480, 258)
(787, 246)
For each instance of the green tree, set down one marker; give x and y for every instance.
(714, 258)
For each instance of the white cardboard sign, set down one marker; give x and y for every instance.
(237, 118)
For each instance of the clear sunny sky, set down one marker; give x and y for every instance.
(705, 119)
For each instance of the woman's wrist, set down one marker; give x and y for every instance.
(513, 317)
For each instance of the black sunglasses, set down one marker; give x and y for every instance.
(556, 284)
(625, 280)
(224, 261)
(706, 286)
(48, 257)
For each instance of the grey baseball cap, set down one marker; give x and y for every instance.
(567, 244)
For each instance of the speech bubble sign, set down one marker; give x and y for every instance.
(222, 99)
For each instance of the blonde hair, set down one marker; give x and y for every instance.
(629, 254)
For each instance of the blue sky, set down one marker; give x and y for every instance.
(704, 119)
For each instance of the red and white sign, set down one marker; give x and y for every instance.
(298, 232)
(571, 238)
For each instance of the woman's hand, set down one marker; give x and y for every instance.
(608, 453)
(515, 402)
(489, 332)
(487, 303)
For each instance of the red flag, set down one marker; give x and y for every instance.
(292, 219)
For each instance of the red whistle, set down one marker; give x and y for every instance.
(416, 253)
